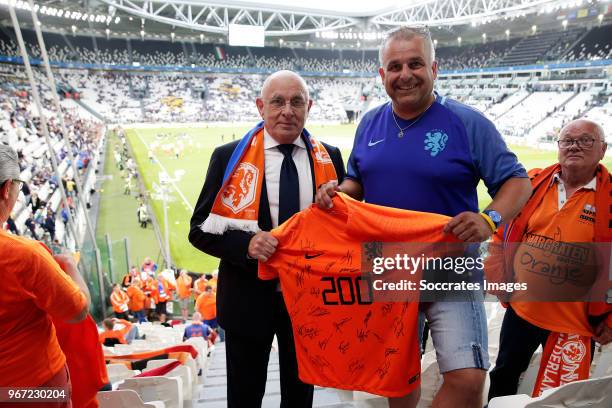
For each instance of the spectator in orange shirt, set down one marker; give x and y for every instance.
(163, 295)
(119, 299)
(206, 305)
(149, 287)
(199, 285)
(115, 332)
(570, 205)
(37, 288)
(137, 300)
(183, 283)
(212, 282)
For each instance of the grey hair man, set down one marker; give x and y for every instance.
(448, 150)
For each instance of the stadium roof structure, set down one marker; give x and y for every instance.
(285, 19)
(322, 23)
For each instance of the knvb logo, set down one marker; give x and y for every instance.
(435, 141)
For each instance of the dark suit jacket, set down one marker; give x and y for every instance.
(244, 302)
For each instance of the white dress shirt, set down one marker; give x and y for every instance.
(562, 193)
(273, 159)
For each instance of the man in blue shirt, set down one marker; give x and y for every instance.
(425, 152)
(197, 328)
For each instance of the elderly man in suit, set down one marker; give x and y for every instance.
(253, 185)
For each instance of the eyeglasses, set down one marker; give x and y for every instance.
(280, 103)
(18, 183)
(583, 143)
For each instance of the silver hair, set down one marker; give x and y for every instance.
(407, 33)
(9, 163)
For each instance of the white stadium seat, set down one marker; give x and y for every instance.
(125, 399)
(595, 392)
(168, 390)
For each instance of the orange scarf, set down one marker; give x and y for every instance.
(237, 203)
(566, 358)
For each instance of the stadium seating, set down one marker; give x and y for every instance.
(119, 372)
(541, 47)
(596, 392)
(125, 399)
(169, 390)
(593, 46)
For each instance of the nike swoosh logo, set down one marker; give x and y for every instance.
(312, 256)
(371, 143)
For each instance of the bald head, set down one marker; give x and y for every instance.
(281, 79)
(584, 126)
(284, 105)
(582, 146)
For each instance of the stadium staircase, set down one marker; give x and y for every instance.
(213, 393)
(513, 106)
(568, 51)
(90, 110)
(560, 107)
(75, 54)
(533, 48)
(251, 57)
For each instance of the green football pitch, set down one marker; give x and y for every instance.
(189, 170)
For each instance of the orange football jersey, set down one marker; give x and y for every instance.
(343, 338)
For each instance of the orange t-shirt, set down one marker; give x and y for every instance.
(212, 282)
(116, 334)
(199, 285)
(137, 298)
(184, 286)
(342, 339)
(34, 290)
(573, 223)
(119, 300)
(207, 306)
(150, 289)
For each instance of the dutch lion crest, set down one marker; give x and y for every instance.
(435, 142)
(240, 191)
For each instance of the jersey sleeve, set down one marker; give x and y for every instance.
(490, 154)
(51, 288)
(285, 235)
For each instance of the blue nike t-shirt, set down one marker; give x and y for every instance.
(436, 165)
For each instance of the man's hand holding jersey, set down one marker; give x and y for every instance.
(469, 227)
(327, 191)
(262, 246)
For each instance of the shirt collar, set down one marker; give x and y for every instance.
(591, 185)
(270, 143)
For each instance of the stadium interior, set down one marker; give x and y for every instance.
(145, 96)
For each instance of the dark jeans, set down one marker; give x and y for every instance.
(140, 315)
(160, 308)
(518, 340)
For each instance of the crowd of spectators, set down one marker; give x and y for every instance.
(40, 213)
(594, 46)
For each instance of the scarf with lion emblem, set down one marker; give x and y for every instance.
(236, 206)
